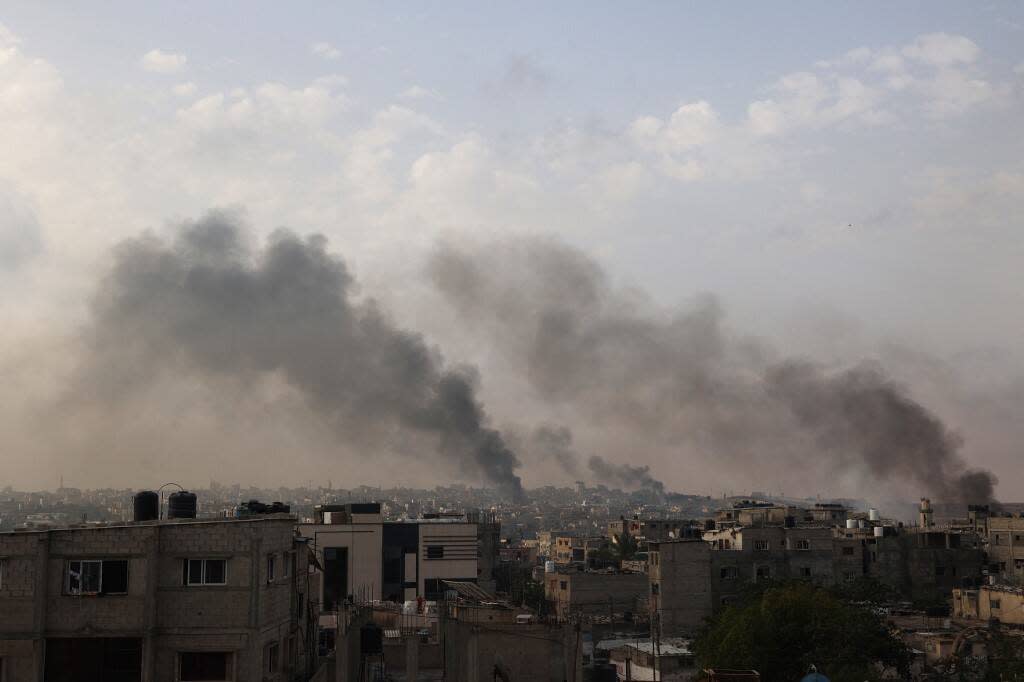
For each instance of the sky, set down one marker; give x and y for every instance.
(845, 180)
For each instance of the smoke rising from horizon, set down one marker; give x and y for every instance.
(209, 306)
(678, 379)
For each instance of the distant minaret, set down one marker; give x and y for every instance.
(61, 482)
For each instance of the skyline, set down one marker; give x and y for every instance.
(843, 187)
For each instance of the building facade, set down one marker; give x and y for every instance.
(366, 558)
(155, 601)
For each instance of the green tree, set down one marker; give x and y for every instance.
(625, 546)
(782, 630)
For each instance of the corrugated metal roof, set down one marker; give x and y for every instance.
(468, 590)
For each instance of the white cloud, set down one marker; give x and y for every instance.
(184, 89)
(419, 92)
(942, 49)
(1019, 69)
(158, 61)
(325, 50)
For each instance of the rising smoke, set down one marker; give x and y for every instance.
(626, 475)
(207, 305)
(679, 381)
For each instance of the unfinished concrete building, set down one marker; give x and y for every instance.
(1006, 548)
(155, 601)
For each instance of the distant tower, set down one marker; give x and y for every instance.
(579, 488)
(926, 513)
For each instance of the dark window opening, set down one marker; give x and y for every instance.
(97, 576)
(435, 551)
(205, 666)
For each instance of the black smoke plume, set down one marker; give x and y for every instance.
(625, 475)
(209, 305)
(679, 382)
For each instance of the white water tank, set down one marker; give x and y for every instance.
(873, 515)
(851, 524)
(879, 531)
(549, 566)
(861, 523)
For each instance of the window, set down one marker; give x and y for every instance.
(563, 585)
(97, 576)
(271, 565)
(271, 653)
(204, 571)
(655, 588)
(994, 604)
(1017, 564)
(847, 551)
(729, 573)
(850, 577)
(940, 570)
(760, 545)
(764, 572)
(204, 666)
(289, 559)
(436, 551)
(803, 545)
(805, 571)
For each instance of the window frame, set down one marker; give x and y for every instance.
(186, 573)
(434, 552)
(100, 590)
(762, 546)
(271, 567)
(271, 658)
(802, 545)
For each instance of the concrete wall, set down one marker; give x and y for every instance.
(1006, 547)
(459, 543)
(168, 617)
(365, 553)
(536, 652)
(594, 593)
(680, 582)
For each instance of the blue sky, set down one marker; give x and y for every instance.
(846, 177)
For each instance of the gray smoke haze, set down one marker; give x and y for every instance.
(625, 475)
(678, 380)
(554, 443)
(209, 306)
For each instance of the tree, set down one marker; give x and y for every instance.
(625, 546)
(782, 630)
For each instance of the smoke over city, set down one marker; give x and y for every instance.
(208, 305)
(679, 381)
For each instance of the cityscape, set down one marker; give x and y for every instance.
(398, 341)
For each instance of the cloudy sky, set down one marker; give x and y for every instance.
(847, 180)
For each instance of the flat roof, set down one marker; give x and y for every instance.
(142, 524)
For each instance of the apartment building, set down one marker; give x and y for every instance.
(366, 558)
(155, 601)
(1006, 547)
(1001, 603)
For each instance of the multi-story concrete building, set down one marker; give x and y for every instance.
(1006, 547)
(652, 530)
(1001, 603)
(155, 601)
(594, 592)
(366, 558)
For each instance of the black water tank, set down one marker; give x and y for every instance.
(147, 505)
(181, 505)
(605, 672)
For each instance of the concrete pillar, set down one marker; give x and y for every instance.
(152, 574)
(472, 656)
(412, 657)
(41, 597)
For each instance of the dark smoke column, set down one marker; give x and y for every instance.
(210, 306)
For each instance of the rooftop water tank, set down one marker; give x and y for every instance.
(851, 524)
(146, 505)
(181, 505)
(879, 531)
(861, 524)
(873, 515)
(549, 566)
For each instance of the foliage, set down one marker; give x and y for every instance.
(785, 628)
(625, 546)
